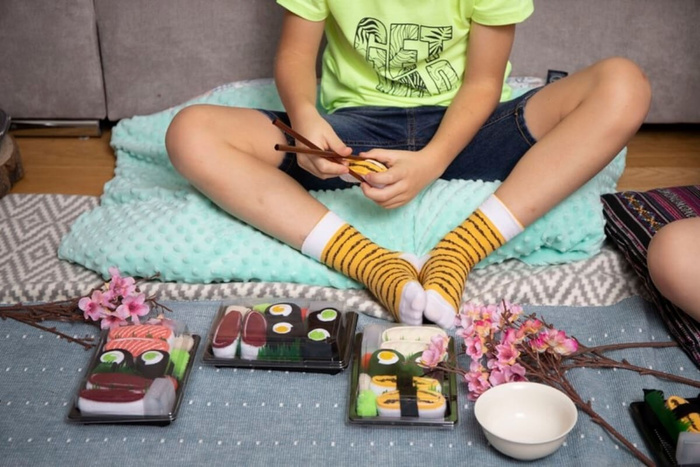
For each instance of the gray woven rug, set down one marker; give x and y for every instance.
(32, 226)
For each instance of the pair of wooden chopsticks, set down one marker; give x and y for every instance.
(312, 148)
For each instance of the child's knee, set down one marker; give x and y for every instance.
(626, 85)
(185, 133)
(671, 254)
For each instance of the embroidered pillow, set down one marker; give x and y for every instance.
(632, 219)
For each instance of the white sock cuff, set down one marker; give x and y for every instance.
(319, 236)
(502, 218)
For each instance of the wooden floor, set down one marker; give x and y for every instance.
(658, 156)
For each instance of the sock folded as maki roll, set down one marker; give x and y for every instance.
(284, 340)
(284, 312)
(322, 338)
(319, 345)
(153, 363)
(385, 362)
(113, 361)
(228, 332)
(284, 331)
(254, 335)
(329, 319)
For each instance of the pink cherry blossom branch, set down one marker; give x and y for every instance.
(68, 311)
(508, 339)
(548, 370)
(63, 311)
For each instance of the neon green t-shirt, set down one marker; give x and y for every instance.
(400, 53)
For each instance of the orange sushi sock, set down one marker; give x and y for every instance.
(390, 276)
(446, 267)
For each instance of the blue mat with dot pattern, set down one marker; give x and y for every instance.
(151, 220)
(243, 417)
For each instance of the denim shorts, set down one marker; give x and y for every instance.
(491, 155)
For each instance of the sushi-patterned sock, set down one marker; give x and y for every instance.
(445, 268)
(392, 277)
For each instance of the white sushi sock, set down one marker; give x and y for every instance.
(392, 277)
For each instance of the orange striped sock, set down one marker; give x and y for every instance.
(444, 273)
(390, 276)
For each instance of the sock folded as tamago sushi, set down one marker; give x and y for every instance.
(430, 404)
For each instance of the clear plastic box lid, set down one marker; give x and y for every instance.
(388, 386)
(282, 334)
(137, 374)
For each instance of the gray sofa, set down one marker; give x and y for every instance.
(111, 59)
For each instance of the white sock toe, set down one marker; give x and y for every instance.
(438, 310)
(413, 300)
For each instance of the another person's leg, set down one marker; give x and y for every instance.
(228, 154)
(579, 124)
(673, 258)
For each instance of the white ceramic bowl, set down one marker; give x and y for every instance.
(525, 420)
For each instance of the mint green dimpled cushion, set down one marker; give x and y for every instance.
(150, 220)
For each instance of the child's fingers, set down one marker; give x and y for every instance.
(336, 145)
(382, 179)
(388, 197)
(320, 167)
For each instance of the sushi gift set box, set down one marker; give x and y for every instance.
(293, 335)
(388, 386)
(137, 374)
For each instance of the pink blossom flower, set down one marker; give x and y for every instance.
(559, 342)
(474, 347)
(470, 311)
(133, 306)
(501, 341)
(507, 374)
(121, 286)
(114, 319)
(510, 337)
(539, 344)
(110, 299)
(436, 351)
(477, 382)
(93, 307)
(530, 327)
(506, 354)
(482, 328)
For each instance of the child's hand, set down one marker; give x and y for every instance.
(409, 172)
(321, 134)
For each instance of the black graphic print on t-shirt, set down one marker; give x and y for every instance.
(394, 53)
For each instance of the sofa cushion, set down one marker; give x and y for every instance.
(632, 219)
(159, 53)
(50, 60)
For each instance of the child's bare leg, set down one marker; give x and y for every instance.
(228, 154)
(580, 123)
(673, 258)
